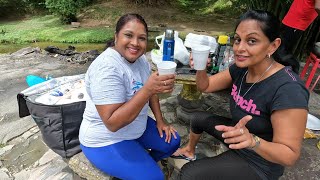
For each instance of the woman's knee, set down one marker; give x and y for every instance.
(172, 146)
(198, 124)
(188, 171)
(175, 142)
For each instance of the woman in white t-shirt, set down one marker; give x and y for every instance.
(116, 132)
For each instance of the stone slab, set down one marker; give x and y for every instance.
(81, 165)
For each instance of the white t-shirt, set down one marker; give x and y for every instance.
(111, 79)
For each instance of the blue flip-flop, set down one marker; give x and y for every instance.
(181, 156)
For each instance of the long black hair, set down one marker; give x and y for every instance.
(270, 26)
(123, 20)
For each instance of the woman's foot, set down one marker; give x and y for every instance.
(184, 153)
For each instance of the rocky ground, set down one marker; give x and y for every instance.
(23, 154)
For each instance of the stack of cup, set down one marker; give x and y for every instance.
(166, 67)
(200, 54)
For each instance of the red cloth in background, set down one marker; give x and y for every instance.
(301, 14)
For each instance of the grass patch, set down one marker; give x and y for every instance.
(49, 29)
(99, 12)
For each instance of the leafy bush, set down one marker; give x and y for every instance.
(34, 6)
(66, 9)
(8, 7)
(195, 5)
(15, 8)
(207, 7)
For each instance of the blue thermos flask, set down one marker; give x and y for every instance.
(168, 45)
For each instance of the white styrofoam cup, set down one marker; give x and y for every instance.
(200, 55)
(166, 67)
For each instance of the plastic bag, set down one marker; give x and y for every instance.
(180, 51)
(228, 59)
(192, 39)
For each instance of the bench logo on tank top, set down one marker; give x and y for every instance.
(247, 105)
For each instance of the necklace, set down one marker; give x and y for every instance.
(252, 84)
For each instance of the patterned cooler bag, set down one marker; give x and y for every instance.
(57, 107)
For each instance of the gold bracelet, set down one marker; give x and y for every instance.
(257, 142)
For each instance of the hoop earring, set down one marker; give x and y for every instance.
(269, 56)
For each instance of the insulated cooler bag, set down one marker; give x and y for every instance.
(59, 123)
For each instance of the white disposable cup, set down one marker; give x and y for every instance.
(200, 55)
(166, 67)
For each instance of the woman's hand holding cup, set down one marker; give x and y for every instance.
(191, 62)
(199, 56)
(163, 80)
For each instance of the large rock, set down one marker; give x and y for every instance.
(49, 166)
(314, 104)
(81, 165)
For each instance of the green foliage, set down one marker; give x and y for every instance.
(20, 7)
(223, 7)
(66, 9)
(207, 7)
(7, 7)
(195, 6)
(34, 6)
(49, 29)
(279, 8)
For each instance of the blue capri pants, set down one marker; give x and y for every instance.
(130, 159)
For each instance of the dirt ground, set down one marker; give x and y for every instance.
(161, 16)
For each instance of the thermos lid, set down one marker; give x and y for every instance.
(169, 34)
